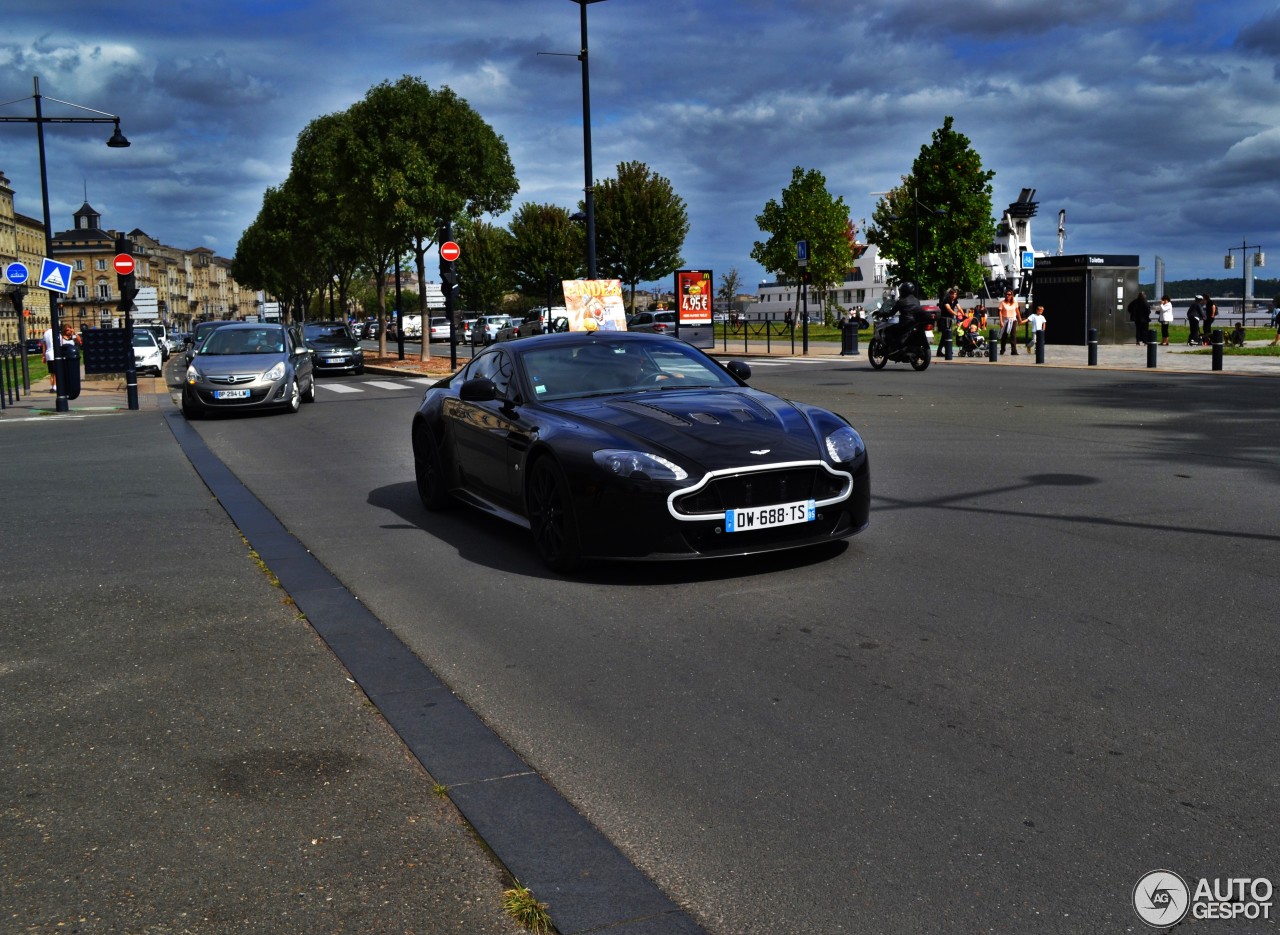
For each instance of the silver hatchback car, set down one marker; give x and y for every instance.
(246, 366)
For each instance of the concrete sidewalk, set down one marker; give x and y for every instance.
(179, 751)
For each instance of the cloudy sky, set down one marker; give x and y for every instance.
(1155, 125)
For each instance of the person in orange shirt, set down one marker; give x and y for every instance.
(1010, 318)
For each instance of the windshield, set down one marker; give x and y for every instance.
(329, 336)
(143, 339)
(269, 340)
(604, 368)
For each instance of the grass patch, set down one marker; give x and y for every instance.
(520, 903)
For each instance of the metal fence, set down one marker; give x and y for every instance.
(15, 379)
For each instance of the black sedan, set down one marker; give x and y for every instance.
(636, 446)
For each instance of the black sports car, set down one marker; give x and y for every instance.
(636, 446)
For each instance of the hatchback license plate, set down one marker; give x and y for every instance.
(766, 517)
(230, 394)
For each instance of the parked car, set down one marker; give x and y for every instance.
(485, 330)
(34, 346)
(147, 355)
(539, 321)
(157, 331)
(440, 329)
(635, 446)
(653, 322)
(243, 366)
(336, 351)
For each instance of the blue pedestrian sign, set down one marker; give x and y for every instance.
(802, 253)
(55, 276)
(1028, 260)
(16, 273)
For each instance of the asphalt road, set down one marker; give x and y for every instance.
(1046, 669)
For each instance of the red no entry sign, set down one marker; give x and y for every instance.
(449, 251)
(123, 264)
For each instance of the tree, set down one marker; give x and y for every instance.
(641, 224)
(484, 273)
(730, 286)
(546, 247)
(807, 212)
(947, 177)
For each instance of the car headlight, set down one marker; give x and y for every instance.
(844, 445)
(275, 373)
(623, 463)
(193, 375)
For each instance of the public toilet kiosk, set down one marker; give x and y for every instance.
(1087, 291)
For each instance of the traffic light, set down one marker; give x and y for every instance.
(128, 286)
(448, 273)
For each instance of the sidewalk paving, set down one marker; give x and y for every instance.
(179, 751)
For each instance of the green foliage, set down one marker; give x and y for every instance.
(807, 212)
(730, 286)
(641, 224)
(483, 269)
(947, 176)
(546, 247)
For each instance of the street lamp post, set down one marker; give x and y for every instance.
(117, 141)
(916, 206)
(1229, 262)
(588, 195)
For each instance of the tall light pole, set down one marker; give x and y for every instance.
(1229, 262)
(589, 195)
(117, 141)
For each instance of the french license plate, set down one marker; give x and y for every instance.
(332, 360)
(230, 394)
(766, 517)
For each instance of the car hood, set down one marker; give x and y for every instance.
(236, 363)
(716, 428)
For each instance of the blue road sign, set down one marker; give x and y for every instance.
(16, 273)
(1028, 260)
(802, 252)
(55, 276)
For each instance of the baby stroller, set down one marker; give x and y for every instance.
(971, 343)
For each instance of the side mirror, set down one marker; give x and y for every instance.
(739, 369)
(478, 390)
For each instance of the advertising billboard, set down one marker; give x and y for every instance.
(594, 304)
(694, 293)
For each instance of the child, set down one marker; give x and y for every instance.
(1237, 335)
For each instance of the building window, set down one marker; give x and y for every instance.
(79, 266)
(100, 264)
(104, 289)
(82, 291)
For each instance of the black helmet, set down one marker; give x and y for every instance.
(906, 289)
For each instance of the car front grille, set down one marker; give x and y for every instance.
(761, 488)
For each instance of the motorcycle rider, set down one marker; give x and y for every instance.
(907, 308)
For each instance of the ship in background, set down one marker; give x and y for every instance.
(1011, 261)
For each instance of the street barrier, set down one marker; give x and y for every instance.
(1151, 349)
(10, 381)
(1216, 341)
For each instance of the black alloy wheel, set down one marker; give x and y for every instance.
(551, 519)
(920, 355)
(427, 471)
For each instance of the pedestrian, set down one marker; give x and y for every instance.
(1010, 318)
(1275, 320)
(68, 337)
(50, 357)
(1237, 335)
(949, 316)
(1140, 315)
(1038, 323)
(1166, 319)
(1195, 315)
(1210, 313)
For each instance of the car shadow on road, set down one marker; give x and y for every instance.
(487, 541)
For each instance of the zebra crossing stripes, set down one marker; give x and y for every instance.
(413, 383)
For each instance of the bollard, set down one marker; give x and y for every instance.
(947, 344)
(846, 338)
(1093, 347)
(853, 346)
(1040, 347)
(1217, 348)
(993, 349)
(1151, 350)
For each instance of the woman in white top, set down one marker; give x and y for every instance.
(1166, 319)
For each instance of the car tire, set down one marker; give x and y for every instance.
(877, 357)
(295, 399)
(428, 471)
(191, 411)
(359, 370)
(551, 517)
(310, 395)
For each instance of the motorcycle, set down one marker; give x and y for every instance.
(905, 345)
